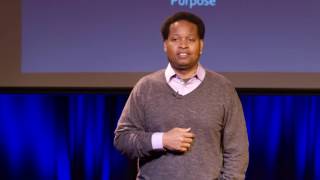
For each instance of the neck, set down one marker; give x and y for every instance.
(186, 73)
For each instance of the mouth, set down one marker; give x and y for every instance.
(183, 54)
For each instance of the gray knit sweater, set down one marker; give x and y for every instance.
(214, 113)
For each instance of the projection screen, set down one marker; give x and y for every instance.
(111, 44)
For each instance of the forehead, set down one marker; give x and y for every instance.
(182, 26)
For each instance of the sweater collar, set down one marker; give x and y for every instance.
(170, 73)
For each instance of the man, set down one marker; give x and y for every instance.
(184, 122)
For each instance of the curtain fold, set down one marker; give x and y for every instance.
(70, 136)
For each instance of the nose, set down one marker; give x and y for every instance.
(183, 44)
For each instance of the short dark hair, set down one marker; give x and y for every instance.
(187, 16)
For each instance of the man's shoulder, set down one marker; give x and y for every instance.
(154, 78)
(219, 85)
(217, 78)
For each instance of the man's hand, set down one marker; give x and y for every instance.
(178, 139)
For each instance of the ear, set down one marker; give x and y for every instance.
(165, 46)
(201, 45)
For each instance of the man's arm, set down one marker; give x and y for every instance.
(131, 137)
(235, 141)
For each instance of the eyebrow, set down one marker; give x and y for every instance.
(179, 34)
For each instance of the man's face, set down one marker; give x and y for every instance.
(183, 46)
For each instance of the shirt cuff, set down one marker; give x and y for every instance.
(156, 140)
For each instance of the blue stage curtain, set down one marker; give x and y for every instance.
(70, 136)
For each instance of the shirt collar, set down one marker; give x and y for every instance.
(169, 73)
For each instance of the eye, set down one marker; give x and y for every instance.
(174, 39)
(191, 40)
